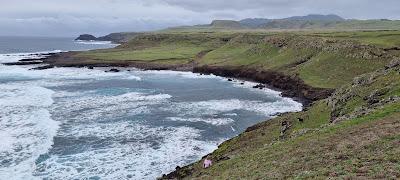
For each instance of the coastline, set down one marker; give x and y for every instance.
(66, 59)
(311, 112)
(291, 87)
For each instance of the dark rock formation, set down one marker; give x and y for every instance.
(291, 86)
(259, 86)
(113, 70)
(23, 63)
(86, 37)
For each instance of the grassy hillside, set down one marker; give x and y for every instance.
(363, 141)
(325, 60)
(353, 133)
(158, 48)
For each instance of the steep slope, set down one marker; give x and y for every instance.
(362, 142)
(352, 79)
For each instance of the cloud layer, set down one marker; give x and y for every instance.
(72, 17)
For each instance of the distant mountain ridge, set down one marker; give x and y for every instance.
(308, 22)
(262, 22)
(312, 21)
(317, 17)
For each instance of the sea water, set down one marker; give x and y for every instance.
(76, 123)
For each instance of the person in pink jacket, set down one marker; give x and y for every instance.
(207, 162)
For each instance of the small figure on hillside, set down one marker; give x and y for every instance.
(284, 126)
(207, 162)
(300, 119)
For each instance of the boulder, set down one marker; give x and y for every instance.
(259, 86)
(113, 70)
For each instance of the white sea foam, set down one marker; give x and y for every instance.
(130, 149)
(95, 42)
(212, 121)
(26, 129)
(95, 107)
(228, 105)
(14, 57)
(249, 85)
(188, 75)
(135, 159)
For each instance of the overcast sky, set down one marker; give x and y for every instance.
(99, 17)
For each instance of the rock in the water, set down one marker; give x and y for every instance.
(259, 86)
(114, 70)
(86, 37)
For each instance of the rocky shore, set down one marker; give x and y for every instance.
(292, 87)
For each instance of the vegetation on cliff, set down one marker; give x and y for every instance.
(351, 129)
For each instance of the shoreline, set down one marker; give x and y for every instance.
(295, 89)
(291, 87)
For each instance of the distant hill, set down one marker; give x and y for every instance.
(312, 21)
(226, 24)
(254, 22)
(316, 17)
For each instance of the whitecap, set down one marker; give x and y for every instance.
(229, 105)
(95, 42)
(177, 146)
(212, 121)
(27, 129)
(188, 75)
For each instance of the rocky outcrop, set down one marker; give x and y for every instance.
(86, 37)
(291, 86)
(347, 48)
(359, 98)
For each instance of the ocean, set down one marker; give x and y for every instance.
(76, 123)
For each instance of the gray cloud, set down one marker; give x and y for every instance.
(72, 17)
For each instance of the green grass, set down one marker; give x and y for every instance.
(360, 147)
(310, 149)
(379, 38)
(333, 70)
(341, 151)
(148, 54)
(302, 55)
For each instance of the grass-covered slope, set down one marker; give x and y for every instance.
(173, 49)
(353, 133)
(362, 142)
(324, 60)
